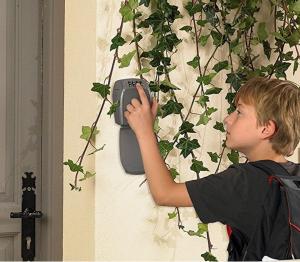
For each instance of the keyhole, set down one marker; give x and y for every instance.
(28, 241)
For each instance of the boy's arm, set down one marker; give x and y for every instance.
(164, 189)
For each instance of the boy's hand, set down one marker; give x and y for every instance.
(141, 116)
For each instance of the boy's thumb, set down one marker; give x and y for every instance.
(154, 107)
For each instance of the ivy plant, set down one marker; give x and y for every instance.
(236, 28)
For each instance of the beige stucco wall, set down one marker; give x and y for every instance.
(79, 109)
(113, 218)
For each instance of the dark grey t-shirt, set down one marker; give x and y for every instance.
(233, 196)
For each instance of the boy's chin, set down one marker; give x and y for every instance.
(230, 146)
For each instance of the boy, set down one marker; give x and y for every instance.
(264, 126)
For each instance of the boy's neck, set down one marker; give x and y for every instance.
(278, 159)
(266, 154)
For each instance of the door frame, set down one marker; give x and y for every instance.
(53, 20)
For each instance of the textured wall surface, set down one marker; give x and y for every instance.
(79, 109)
(128, 224)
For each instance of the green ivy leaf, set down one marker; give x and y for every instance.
(113, 108)
(206, 80)
(218, 38)
(288, 56)
(202, 22)
(234, 80)
(203, 40)
(220, 66)
(126, 59)
(193, 8)
(233, 156)
(204, 119)
(172, 41)
(154, 87)
(186, 127)
(210, 13)
(102, 89)
(166, 86)
(279, 36)
(87, 175)
(294, 38)
(117, 41)
(195, 62)
(165, 147)
(209, 257)
(133, 4)
(197, 166)
(211, 110)
(187, 146)
(174, 173)
(219, 126)
(143, 71)
(262, 32)
(86, 132)
(214, 157)
(295, 7)
(246, 23)
(155, 20)
(172, 215)
(73, 167)
(97, 150)
(296, 64)
(237, 49)
(171, 107)
(281, 68)
(186, 28)
(202, 228)
(137, 38)
(267, 49)
(126, 12)
(213, 90)
(203, 100)
(230, 97)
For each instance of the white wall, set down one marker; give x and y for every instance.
(128, 225)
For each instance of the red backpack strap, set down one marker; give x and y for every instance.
(229, 230)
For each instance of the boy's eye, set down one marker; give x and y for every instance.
(238, 112)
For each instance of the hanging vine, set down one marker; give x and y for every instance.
(240, 44)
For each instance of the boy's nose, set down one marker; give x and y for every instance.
(226, 121)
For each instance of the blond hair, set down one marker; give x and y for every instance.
(277, 100)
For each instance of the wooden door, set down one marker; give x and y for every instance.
(20, 115)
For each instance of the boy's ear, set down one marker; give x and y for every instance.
(269, 129)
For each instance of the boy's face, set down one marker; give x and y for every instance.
(242, 129)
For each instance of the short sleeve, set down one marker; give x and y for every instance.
(225, 197)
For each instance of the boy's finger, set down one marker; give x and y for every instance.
(154, 107)
(142, 94)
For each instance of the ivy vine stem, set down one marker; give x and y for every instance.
(94, 125)
(136, 45)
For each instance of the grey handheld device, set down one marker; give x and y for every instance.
(124, 91)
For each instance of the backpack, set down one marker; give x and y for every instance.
(279, 219)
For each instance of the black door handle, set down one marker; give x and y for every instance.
(26, 214)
